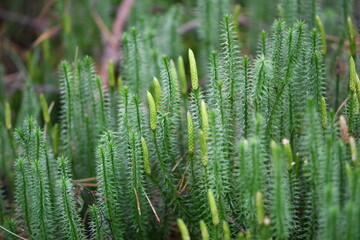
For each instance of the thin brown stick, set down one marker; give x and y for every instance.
(102, 26)
(88, 184)
(45, 35)
(98, 195)
(183, 189)
(183, 177)
(152, 207)
(341, 106)
(178, 162)
(137, 201)
(45, 9)
(188, 26)
(52, 104)
(332, 38)
(122, 14)
(180, 182)
(85, 179)
(111, 48)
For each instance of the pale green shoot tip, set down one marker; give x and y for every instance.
(152, 110)
(193, 70)
(183, 229)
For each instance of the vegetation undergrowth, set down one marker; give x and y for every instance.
(235, 146)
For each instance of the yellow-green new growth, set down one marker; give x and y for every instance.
(203, 148)
(191, 136)
(356, 104)
(213, 208)
(204, 231)
(352, 39)
(111, 73)
(354, 86)
(354, 78)
(7, 115)
(182, 76)
(358, 88)
(204, 119)
(323, 112)
(226, 230)
(260, 208)
(152, 110)
(145, 156)
(183, 229)
(45, 109)
(193, 70)
(157, 92)
(322, 34)
(173, 69)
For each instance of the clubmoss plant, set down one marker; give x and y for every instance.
(70, 223)
(253, 150)
(34, 181)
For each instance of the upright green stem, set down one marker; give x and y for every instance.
(25, 196)
(65, 197)
(41, 213)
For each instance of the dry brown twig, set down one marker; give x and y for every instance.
(152, 207)
(45, 35)
(85, 179)
(173, 169)
(137, 201)
(111, 39)
(341, 106)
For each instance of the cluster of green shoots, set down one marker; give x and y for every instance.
(254, 154)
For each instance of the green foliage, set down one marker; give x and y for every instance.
(35, 181)
(254, 150)
(85, 113)
(107, 179)
(279, 210)
(134, 65)
(70, 223)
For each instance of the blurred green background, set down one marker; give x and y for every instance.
(36, 35)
